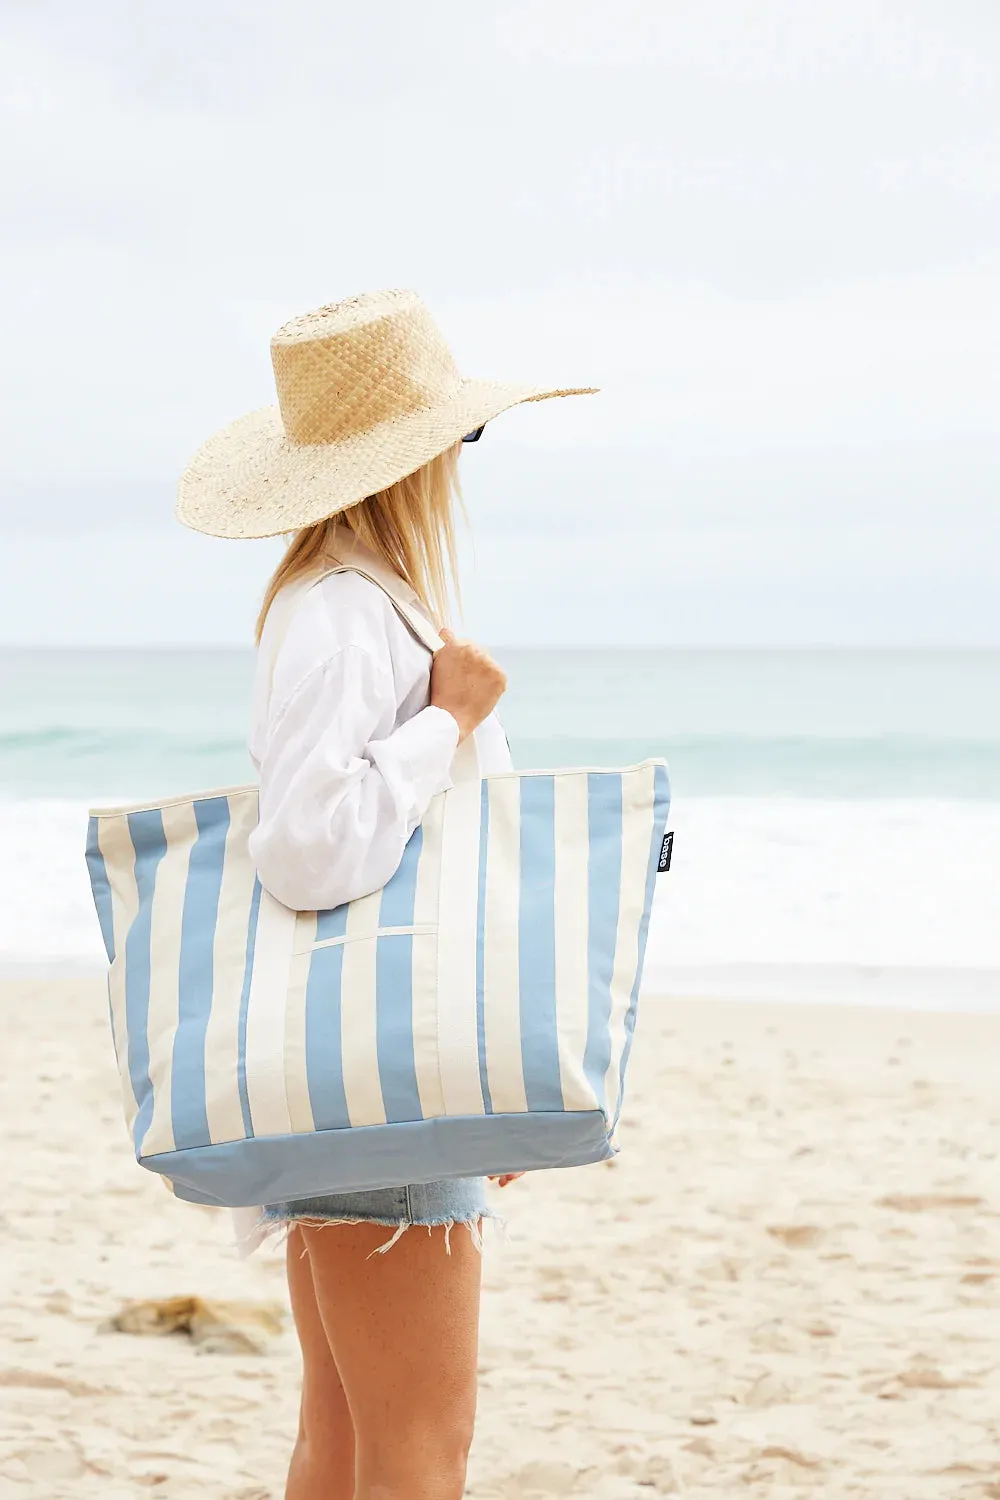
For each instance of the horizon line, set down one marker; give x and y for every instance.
(886, 648)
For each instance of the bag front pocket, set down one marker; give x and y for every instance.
(383, 932)
(363, 1030)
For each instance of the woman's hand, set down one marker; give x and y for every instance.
(507, 1177)
(466, 682)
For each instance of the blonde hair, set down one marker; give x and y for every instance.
(410, 527)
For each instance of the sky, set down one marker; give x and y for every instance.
(769, 231)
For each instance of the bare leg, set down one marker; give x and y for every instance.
(403, 1329)
(322, 1466)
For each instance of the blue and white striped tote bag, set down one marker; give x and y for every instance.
(474, 1016)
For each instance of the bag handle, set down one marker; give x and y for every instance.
(407, 609)
(466, 764)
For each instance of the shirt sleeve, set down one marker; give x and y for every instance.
(341, 791)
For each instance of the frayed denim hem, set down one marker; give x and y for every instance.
(275, 1225)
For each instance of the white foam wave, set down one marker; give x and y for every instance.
(755, 881)
(46, 911)
(911, 884)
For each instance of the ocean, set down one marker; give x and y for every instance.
(836, 812)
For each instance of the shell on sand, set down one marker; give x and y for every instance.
(218, 1327)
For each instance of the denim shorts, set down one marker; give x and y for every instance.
(457, 1200)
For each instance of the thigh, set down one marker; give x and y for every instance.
(403, 1326)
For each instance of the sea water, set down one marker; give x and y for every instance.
(835, 810)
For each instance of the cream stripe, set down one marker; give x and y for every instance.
(458, 1040)
(358, 1036)
(119, 857)
(180, 831)
(222, 1092)
(296, 1074)
(265, 1042)
(571, 924)
(504, 1069)
(637, 833)
(426, 907)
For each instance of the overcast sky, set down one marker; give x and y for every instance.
(768, 229)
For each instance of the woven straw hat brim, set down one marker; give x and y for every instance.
(248, 480)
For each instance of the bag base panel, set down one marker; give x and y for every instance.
(277, 1169)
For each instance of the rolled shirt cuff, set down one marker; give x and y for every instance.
(419, 754)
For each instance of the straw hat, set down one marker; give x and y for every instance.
(367, 392)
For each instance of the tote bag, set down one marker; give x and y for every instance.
(472, 1017)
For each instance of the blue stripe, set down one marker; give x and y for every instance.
(241, 1040)
(400, 893)
(604, 869)
(661, 811)
(397, 1068)
(537, 945)
(101, 888)
(484, 834)
(196, 978)
(331, 924)
(149, 845)
(324, 1057)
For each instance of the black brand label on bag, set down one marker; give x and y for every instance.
(665, 854)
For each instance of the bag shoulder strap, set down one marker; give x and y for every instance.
(402, 598)
(406, 604)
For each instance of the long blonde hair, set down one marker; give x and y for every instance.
(410, 527)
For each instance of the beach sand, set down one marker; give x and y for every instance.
(788, 1284)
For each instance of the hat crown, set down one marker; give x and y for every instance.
(345, 368)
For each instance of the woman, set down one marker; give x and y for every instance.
(355, 729)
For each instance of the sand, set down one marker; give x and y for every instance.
(788, 1284)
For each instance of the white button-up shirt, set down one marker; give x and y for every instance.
(348, 750)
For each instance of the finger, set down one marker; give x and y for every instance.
(446, 635)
